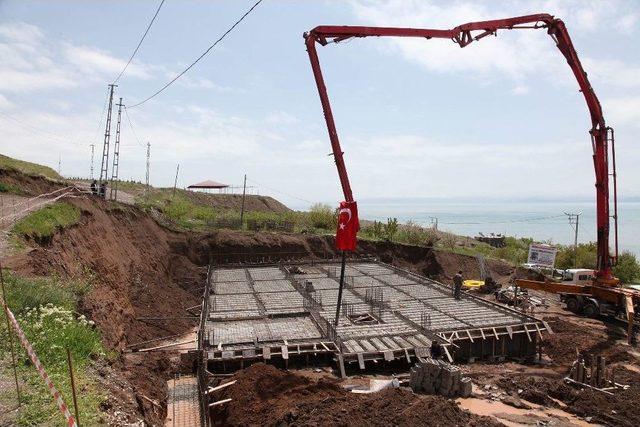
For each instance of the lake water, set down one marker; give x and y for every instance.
(539, 220)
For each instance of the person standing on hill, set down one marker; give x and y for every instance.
(457, 284)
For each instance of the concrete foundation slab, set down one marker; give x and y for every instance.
(284, 311)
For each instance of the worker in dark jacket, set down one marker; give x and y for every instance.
(94, 187)
(457, 284)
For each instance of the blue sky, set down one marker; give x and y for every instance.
(417, 118)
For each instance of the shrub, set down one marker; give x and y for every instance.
(586, 256)
(627, 269)
(412, 234)
(390, 229)
(322, 216)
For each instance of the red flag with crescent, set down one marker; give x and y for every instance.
(348, 226)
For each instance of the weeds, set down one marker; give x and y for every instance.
(44, 222)
(45, 310)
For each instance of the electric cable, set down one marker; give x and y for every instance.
(200, 57)
(140, 42)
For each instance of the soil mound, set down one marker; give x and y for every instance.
(252, 202)
(265, 395)
(29, 185)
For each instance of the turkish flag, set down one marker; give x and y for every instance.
(348, 226)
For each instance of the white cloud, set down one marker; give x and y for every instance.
(623, 110)
(5, 104)
(613, 72)
(516, 54)
(520, 90)
(282, 118)
(95, 61)
(21, 32)
(33, 62)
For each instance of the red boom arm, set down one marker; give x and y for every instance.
(464, 35)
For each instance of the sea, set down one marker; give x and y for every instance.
(541, 220)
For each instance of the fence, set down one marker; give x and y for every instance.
(64, 409)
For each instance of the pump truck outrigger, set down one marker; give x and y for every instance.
(604, 295)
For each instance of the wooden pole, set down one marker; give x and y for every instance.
(344, 262)
(175, 183)
(73, 387)
(244, 191)
(10, 332)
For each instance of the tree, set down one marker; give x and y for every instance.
(586, 256)
(627, 269)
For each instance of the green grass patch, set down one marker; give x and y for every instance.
(9, 188)
(43, 223)
(186, 214)
(45, 309)
(28, 167)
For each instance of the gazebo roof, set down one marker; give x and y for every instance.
(208, 184)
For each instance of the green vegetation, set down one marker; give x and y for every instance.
(182, 211)
(43, 223)
(584, 257)
(628, 268)
(45, 309)
(28, 167)
(6, 187)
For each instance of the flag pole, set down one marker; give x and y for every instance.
(344, 261)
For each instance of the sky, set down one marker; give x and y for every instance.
(501, 118)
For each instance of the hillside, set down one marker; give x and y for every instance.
(217, 201)
(28, 168)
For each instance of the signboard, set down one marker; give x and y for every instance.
(542, 255)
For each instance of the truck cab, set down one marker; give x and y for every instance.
(578, 276)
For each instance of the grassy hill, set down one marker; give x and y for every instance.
(28, 168)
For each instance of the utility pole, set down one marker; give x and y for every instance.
(244, 192)
(175, 183)
(59, 164)
(147, 176)
(113, 194)
(104, 167)
(574, 220)
(91, 168)
(434, 222)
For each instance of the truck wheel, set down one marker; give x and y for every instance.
(572, 304)
(590, 310)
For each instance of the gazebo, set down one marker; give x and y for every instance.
(207, 185)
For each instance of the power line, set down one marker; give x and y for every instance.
(126, 112)
(504, 222)
(104, 108)
(281, 192)
(38, 130)
(201, 56)
(140, 42)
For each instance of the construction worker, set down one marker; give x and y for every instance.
(457, 284)
(103, 190)
(436, 350)
(94, 187)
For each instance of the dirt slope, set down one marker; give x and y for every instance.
(29, 185)
(234, 202)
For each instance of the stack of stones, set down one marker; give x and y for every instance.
(439, 377)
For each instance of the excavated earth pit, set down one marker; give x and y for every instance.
(141, 268)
